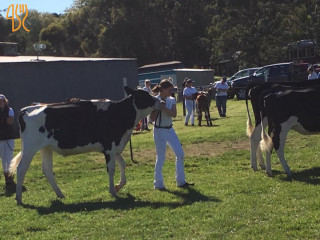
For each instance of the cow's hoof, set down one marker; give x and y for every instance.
(113, 194)
(19, 202)
(117, 188)
(60, 196)
(263, 167)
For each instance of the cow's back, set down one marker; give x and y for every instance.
(68, 127)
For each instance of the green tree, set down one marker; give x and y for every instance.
(55, 35)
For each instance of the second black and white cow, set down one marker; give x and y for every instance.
(78, 127)
(296, 109)
(254, 92)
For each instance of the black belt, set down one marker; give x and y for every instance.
(168, 127)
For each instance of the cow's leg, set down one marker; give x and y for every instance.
(47, 158)
(110, 160)
(260, 158)
(209, 117)
(199, 113)
(123, 180)
(255, 139)
(268, 163)
(22, 168)
(280, 151)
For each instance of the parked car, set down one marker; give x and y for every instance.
(280, 72)
(243, 73)
(240, 74)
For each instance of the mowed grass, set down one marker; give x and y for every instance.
(228, 201)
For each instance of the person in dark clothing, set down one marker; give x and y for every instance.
(6, 138)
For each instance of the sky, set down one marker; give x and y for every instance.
(51, 6)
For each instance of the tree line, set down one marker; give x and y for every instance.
(198, 33)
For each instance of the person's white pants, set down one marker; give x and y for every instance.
(190, 106)
(162, 137)
(6, 153)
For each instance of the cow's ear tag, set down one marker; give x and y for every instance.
(128, 90)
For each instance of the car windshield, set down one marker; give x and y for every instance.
(243, 73)
(240, 74)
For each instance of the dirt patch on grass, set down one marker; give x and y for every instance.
(214, 148)
(208, 149)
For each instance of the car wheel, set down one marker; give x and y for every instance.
(241, 94)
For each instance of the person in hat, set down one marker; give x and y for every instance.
(6, 138)
(222, 96)
(190, 104)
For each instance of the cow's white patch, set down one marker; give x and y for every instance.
(101, 104)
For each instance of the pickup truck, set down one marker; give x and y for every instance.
(280, 72)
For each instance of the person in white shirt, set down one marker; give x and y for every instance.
(189, 101)
(222, 96)
(312, 75)
(163, 134)
(147, 86)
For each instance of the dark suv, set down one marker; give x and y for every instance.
(280, 72)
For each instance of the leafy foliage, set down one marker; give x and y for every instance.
(198, 33)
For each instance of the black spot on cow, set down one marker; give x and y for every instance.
(143, 101)
(301, 103)
(21, 121)
(81, 123)
(42, 129)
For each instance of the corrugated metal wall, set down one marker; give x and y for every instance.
(55, 81)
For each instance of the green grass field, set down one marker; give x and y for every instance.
(228, 201)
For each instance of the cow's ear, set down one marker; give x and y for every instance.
(128, 90)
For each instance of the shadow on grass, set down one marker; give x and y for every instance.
(10, 190)
(188, 196)
(310, 176)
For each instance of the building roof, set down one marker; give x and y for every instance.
(160, 64)
(193, 70)
(12, 59)
(8, 43)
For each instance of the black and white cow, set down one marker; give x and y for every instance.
(79, 127)
(254, 92)
(297, 109)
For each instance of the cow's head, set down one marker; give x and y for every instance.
(144, 102)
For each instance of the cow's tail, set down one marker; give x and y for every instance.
(250, 126)
(266, 143)
(14, 163)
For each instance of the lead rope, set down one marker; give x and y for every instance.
(131, 153)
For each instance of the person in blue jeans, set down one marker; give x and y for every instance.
(222, 96)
